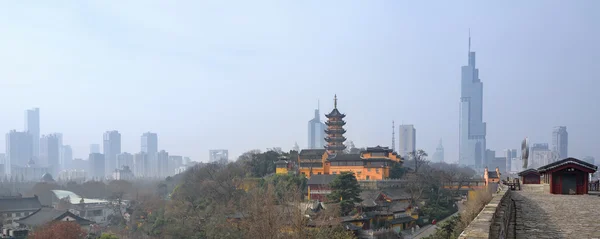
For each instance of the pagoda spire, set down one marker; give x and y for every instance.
(335, 101)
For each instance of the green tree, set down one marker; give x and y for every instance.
(345, 190)
(108, 236)
(397, 171)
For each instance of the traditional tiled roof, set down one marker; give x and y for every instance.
(399, 206)
(15, 204)
(345, 157)
(46, 215)
(396, 194)
(321, 179)
(281, 162)
(378, 149)
(403, 219)
(368, 198)
(568, 161)
(311, 153)
(528, 171)
(335, 113)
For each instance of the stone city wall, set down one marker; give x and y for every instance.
(495, 218)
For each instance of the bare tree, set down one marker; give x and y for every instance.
(419, 157)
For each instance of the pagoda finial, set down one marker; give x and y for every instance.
(335, 101)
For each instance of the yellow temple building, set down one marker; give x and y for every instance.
(374, 163)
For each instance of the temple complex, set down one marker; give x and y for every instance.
(374, 163)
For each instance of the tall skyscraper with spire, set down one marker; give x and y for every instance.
(316, 132)
(472, 129)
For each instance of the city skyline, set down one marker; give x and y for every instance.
(196, 55)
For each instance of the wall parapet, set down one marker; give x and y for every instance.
(494, 219)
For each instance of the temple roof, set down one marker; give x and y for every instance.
(528, 171)
(321, 179)
(335, 113)
(307, 152)
(575, 161)
(492, 174)
(345, 157)
(46, 215)
(11, 204)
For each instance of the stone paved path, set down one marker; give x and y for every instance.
(542, 215)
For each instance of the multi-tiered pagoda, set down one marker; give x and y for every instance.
(335, 130)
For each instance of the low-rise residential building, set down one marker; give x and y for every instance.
(123, 174)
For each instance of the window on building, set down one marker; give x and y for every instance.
(376, 170)
(367, 177)
(319, 173)
(369, 170)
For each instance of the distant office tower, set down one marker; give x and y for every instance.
(111, 148)
(438, 156)
(150, 147)
(510, 155)
(50, 153)
(94, 148)
(163, 163)
(218, 155)
(560, 141)
(140, 164)
(32, 126)
(490, 155)
(186, 160)
(174, 163)
(540, 155)
(96, 166)
(125, 159)
(589, 159)
(19, 150)
(60, 152)
(2, 158)
(472, 129)
(66, 156)
(316, 132)
(407, 139)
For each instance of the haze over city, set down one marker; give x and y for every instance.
(245, 75)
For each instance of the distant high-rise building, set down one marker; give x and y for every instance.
(438, 156)
(472, 129)
(510, 155)
(19, 150)
(540, 155)
(408, 139)
(560, 141)
(125, 159)
(32, 126)
(589, 159)
(316, 132)
(187, 160)
(150, 147)
(66, 156)
(111, 147)
(163, 163)
(50, 153)
(96, 166)
(140, 163)
(94, 148)
(175, 162)
(218, 155)
(490, 156)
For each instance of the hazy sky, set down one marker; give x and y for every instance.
(245, 75)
